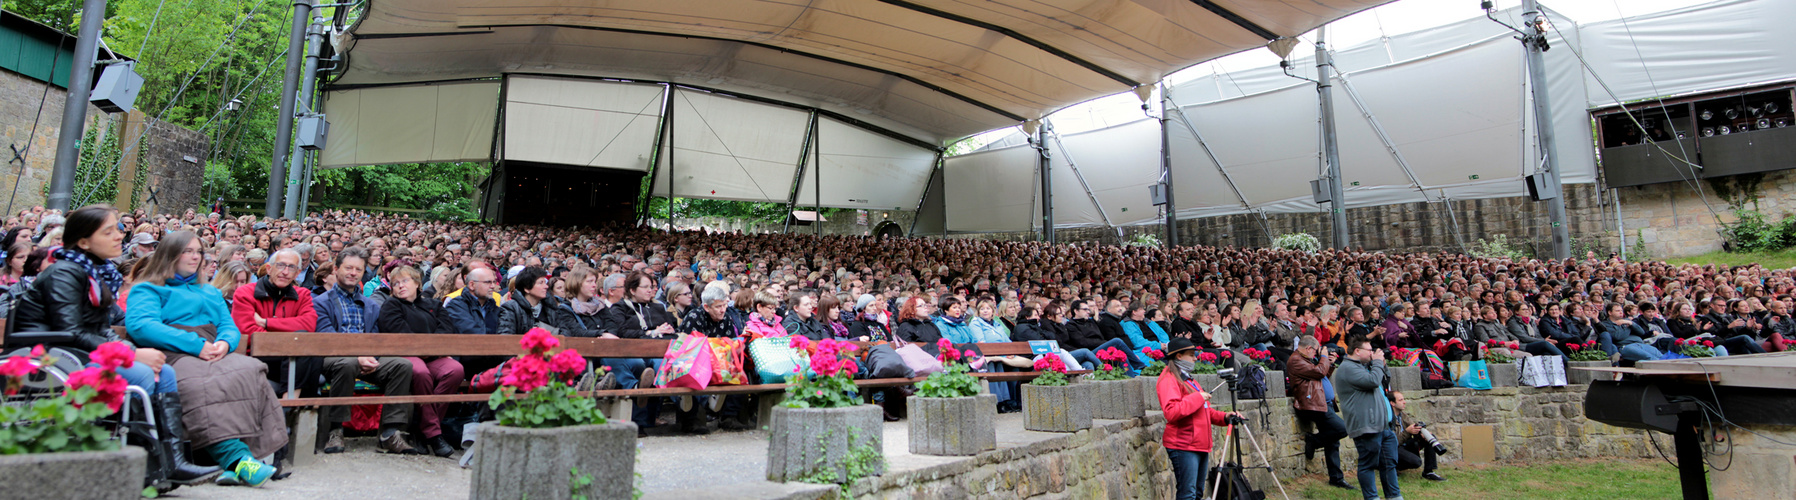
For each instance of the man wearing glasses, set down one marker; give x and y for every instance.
(1369, 419)
(275, 305)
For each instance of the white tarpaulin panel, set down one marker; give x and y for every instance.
(731, 149)
(1118, 163)
(448, 122)
(570, 121)
(991, 191)
(862, 169)
(1706, 47)
(938, 69)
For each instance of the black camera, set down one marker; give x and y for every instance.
(1439, 449)
(1228, 375)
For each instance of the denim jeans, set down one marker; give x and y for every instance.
(1085, 358)
(139, 375)
(1639, 352)
(629, 373)
(1188, 471)
(1608, 344)
(1543, 348)
(1378, 462)
(1741, 344)
(1329, 431)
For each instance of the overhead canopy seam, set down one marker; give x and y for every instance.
(1076, 174)
(1013, 34)
(1378, 129)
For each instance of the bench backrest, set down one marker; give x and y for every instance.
(282, 344)
(298, 344)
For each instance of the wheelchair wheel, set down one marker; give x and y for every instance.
(52, 378)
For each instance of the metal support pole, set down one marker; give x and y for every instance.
(1331, 151)
(1619, 230)
(817, 182)
(74, 110)
(672, 92)
(283, 131)
(1047, 188)
(1690, 456)
(1172, 216)
(1535, 44)
(804, 157)
(296, 170)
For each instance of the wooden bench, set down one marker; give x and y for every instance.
(292, 345)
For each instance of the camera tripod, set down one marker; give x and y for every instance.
(1234, 473)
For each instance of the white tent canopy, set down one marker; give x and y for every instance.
(935, 70)
(1441, 113)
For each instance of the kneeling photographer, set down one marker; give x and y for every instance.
(1418, 446)
(1189, 416)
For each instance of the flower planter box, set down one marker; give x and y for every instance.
(1405, 378)
(953, 426)
(1504, 374)
(88, 474)
(515, 462)
(1114, 399)
(806, 441)
(1150, 391)
(1064, 408)
(1576, 376)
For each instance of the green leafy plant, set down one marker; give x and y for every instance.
(1752, 232)
(576, 481)
(1115, 367)
(954, 382)
(1304, 242)
(1206, 363)
(1156, 362)
(1695, 348)
(1145, 240)
(863, 460)
(1053, 371)
(1497, 247)
(67, 422)
(538, 389)
(831, 383)
(1497, 357)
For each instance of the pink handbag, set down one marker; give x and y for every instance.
(917, 359)
(687, 363)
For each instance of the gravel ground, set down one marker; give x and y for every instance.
(717, 465)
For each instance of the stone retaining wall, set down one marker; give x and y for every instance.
(1124, 459)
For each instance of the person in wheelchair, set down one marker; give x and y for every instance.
(232, 413)
(71, 306)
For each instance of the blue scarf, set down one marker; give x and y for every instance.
(100, 270)
(179, 280)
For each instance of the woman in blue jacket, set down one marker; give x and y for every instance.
(231, 411)
(1143, 334)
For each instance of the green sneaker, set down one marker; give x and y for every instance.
(228, 478)
(253, 472)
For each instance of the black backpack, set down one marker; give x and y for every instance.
(1252, 384)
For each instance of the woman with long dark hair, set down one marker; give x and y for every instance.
(232, 414)
(77, 294)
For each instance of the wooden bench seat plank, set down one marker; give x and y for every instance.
(290, 344)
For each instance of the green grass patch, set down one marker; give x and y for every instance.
(1781, 259)
(1565, 480)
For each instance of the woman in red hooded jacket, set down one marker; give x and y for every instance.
(1188, 420)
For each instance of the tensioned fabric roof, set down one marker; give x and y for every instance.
(934, 70)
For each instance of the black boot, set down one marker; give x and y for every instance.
(173, 435)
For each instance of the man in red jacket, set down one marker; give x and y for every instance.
(275, 305)
(1188, 419)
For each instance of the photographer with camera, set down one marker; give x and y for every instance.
(1416, 440)
(1313, 398)
(1370, 420)
(1189, 417)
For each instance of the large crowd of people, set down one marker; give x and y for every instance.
(190, 288)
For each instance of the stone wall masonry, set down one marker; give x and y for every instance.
(1673, 219)
(162, 165)
(1124, 458)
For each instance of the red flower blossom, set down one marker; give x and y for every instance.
(1050, 364)
(526, 373)
(17, 366)
(1207, 357)
(1153, 353)
(944, 345)
(112, 355)
(969, 355)
(1706, 343)
(799, 343)
(567, 362)
(538, 341)
(1575, 347)
(1112, 354)
(110, 387)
